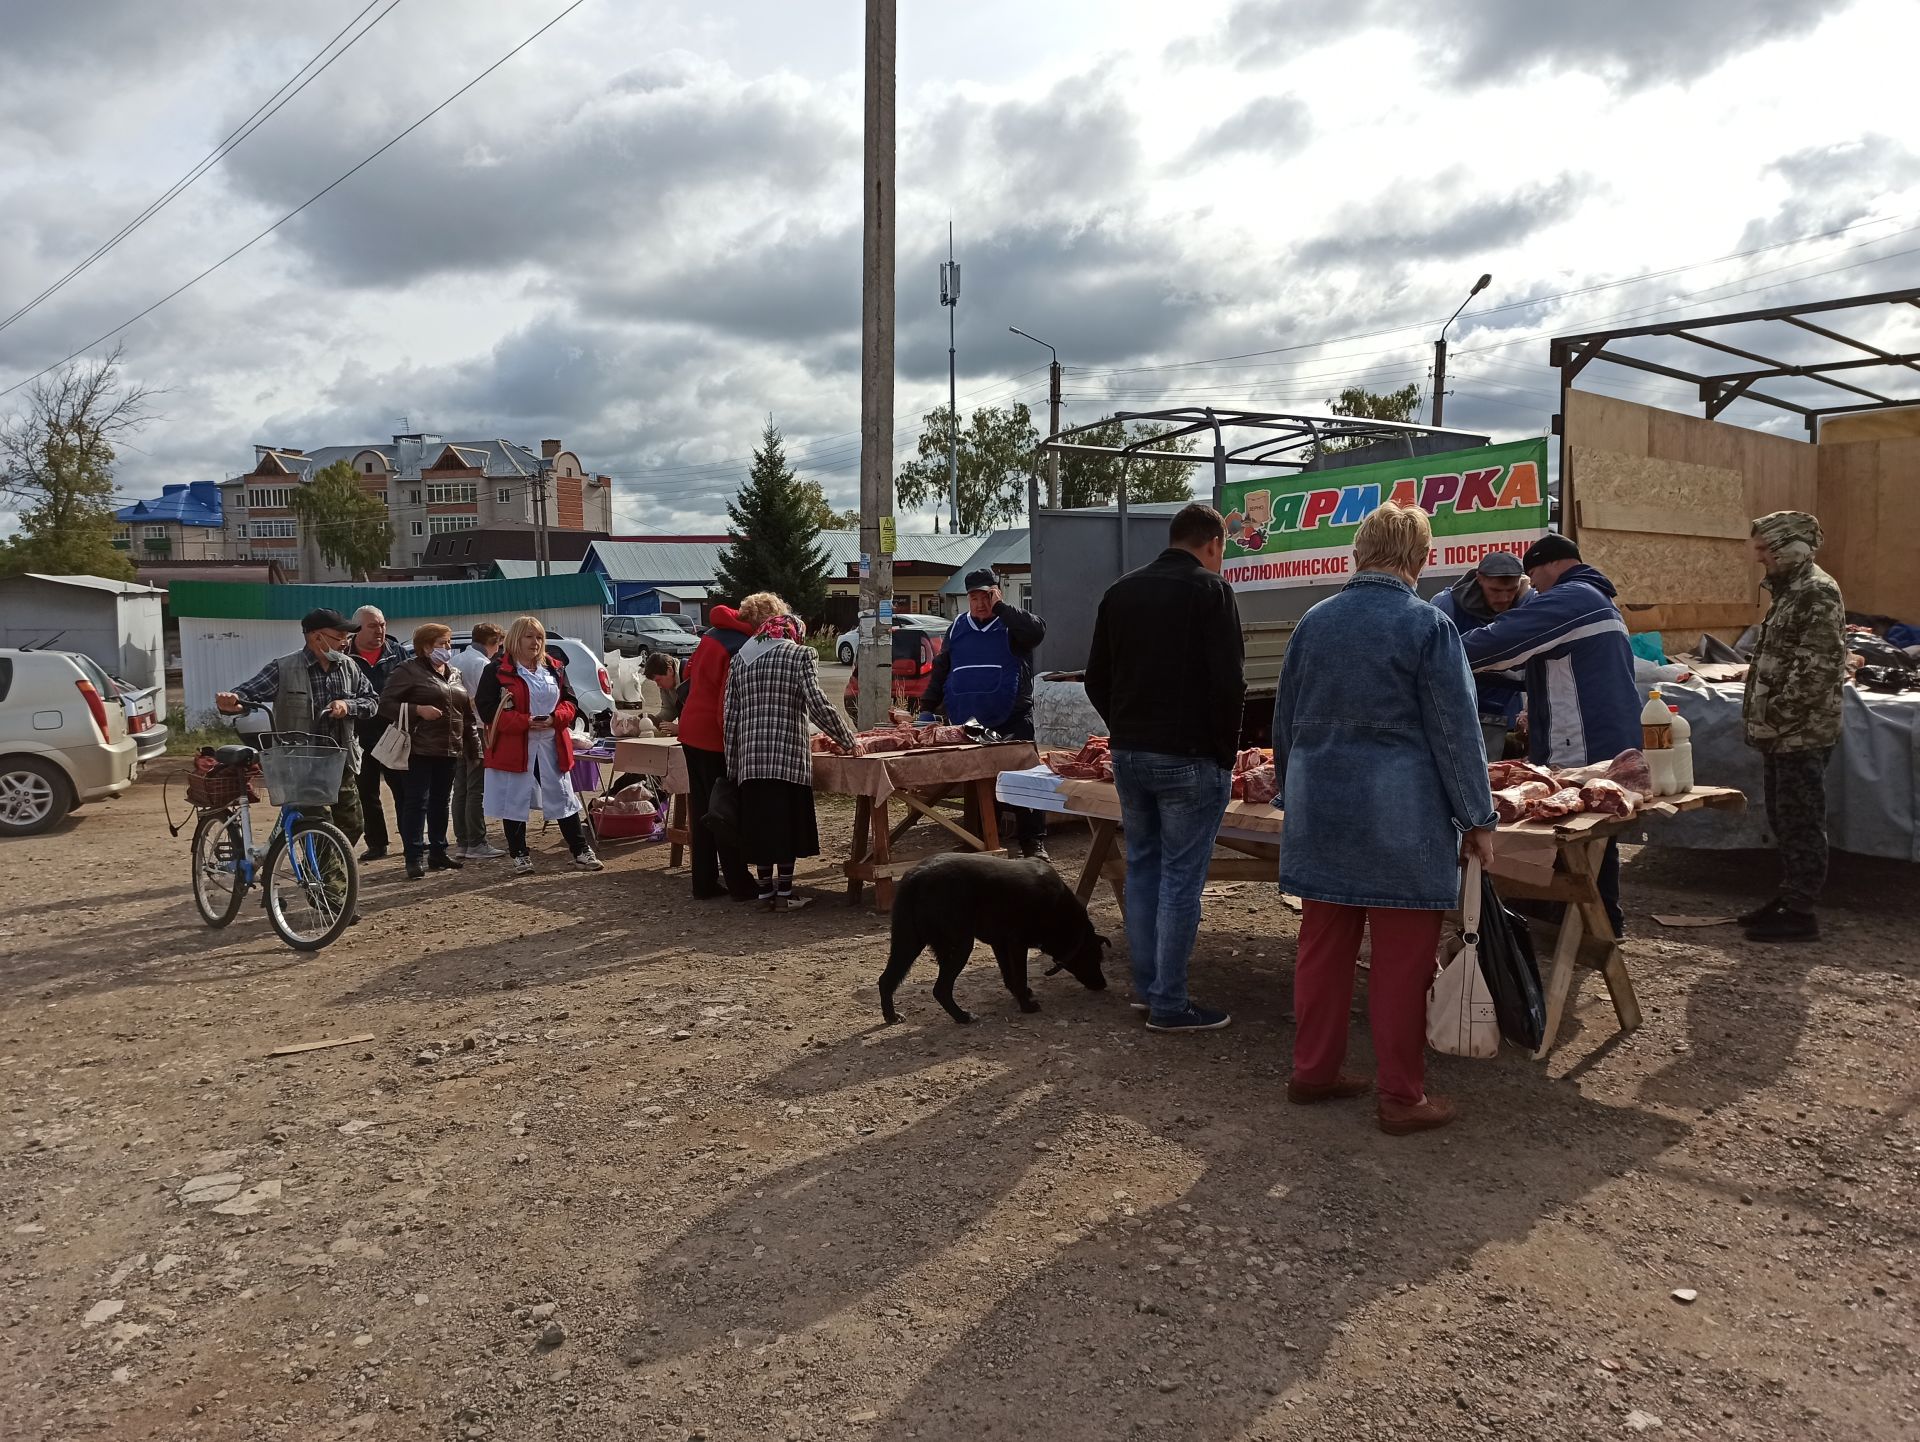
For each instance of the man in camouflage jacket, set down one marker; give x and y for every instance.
(1792, 715)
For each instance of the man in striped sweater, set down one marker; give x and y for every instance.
(1583, 704)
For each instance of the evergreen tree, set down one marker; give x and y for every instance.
(773, 524)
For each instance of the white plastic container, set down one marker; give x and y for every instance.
(1656, 724)
(1660, 768)
(1682, 752)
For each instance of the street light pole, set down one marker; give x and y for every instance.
(1053, 415)
(950, 298)
(1440, 352)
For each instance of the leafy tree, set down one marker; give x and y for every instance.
(995, 456)
(349, 525)
(1400, 405)
(773, 525)
(56, 468)
(1095, 480)
(825, 516)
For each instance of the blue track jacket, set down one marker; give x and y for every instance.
(1583, 704)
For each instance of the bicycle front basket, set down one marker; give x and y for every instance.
(303, 771)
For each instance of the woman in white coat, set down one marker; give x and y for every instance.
(528, 710)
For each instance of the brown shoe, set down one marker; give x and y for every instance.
(1342, 1088)
(1399, 1119)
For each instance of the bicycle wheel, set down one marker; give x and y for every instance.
(312, 885)
(219, 875)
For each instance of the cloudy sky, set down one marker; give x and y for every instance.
(642, 233)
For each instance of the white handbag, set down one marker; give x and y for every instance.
(1461, 1020)
(394, 749)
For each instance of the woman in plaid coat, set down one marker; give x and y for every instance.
(772, 688)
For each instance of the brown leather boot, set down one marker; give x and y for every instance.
(1342, 1088)
(1398, 1119)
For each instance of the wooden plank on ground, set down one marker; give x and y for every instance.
(333, 1041)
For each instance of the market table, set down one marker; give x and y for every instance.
(1533, 861)
(919, 781)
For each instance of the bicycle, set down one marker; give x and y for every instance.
(307, 867)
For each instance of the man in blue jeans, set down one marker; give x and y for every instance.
(1166, 674)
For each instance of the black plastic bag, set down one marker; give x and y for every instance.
(1513, 976)
(723, 814)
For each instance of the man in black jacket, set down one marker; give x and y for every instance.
(1166, 674)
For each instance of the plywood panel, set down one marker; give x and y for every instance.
(1648, 565)
(1869, 506)
(1901, 424)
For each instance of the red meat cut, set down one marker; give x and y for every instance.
(1607, 797)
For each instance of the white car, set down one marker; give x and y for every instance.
(902, 621)
(63, 742)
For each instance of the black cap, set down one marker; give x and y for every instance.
(324, 619)
(1547, 550)
(1499, 563)
(982, 579)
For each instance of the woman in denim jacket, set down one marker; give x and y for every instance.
(1376, 743)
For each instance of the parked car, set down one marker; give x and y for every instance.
(902, 621)
(63, 742)
(913, 653)
(684, 622)
(639, 635)
(142, 705)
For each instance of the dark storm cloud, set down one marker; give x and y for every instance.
(1275, 126)
(1416, 223)
(656, 151)
(1833, 186)
(1632, 43)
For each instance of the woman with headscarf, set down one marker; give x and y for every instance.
(427, 694)
(528, 710)
(718, 867)
(773, 686)
(1795, 683)
(1384, 783)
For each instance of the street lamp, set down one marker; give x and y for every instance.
(1053, 415)
(1440, 352)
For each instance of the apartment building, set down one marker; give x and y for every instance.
(430, 487)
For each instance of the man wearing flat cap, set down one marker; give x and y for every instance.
(984, 673)
(1492, 588)
(319, 691)
(1792, 715)
(1583, 704)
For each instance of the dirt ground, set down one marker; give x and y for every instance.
(615, 1164)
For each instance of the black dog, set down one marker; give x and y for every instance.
(949, 902)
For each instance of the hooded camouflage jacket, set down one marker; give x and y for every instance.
(1800, 661)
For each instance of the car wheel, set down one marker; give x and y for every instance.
(846, 655)
(34, 796)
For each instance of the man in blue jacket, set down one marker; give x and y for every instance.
(1583, 704)
(984, 673)
(1491, 589)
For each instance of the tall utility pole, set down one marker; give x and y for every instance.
(1053, 415)
(950, 298)
(874, 655)
(542, 566)
(1440, 352)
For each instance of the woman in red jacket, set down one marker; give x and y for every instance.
(704, 741)
(528, 708)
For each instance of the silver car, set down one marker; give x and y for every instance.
(63, 742)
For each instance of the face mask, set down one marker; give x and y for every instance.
(443, 654)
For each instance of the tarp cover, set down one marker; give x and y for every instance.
(1873, 784)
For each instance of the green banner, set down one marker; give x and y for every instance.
(1297, 530)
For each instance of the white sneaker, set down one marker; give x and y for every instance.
(523, 865)
(484, 852)
(587, 861)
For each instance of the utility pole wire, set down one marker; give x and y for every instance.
(348, 175)
(219, 153)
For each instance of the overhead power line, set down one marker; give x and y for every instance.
(268, 108)
(310, 200)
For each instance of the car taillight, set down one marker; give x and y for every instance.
(137, 724)
(606, 686)
(96, 706)
(926, 668)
